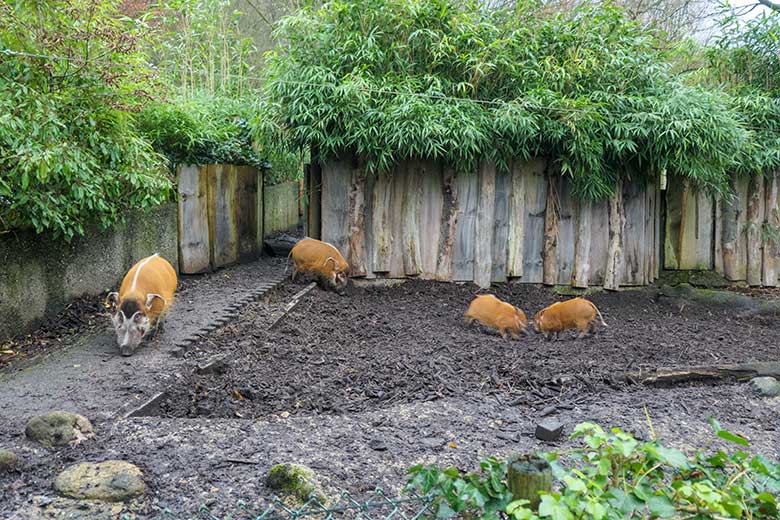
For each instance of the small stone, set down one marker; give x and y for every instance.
(548, 430)
(295, 480)
(217, 366)
(510, 437)
(8, 460)
(377, 445)
(765, 386)
(177, 352)
(547, 411)
(433, 442)
(109, 481)
(58, 429)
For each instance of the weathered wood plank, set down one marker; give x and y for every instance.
(705, 214)
(222, 196)
(400, 174)
(551, 219)
(755, 215)
(336, 182)
(566, 232)
(772, 234)
(675, 196)
(687, 245)
(535, 203)
(501, 227)
(315, 201)
(483, 241)
(368, 220)
(281, 207)
(194, 248)
(410, 210)
(581, 272)
(599, 242)
(733, 239)
(649, 238)
(517, 214)
(718, 237)
(657, 232)
(381, 230)
(357, 244)
(633, 244)
(450, 214)
(430, 217)
(247, 184)
(617, 223)
(463, 255)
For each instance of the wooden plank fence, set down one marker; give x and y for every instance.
(424, 220)
(282, 208)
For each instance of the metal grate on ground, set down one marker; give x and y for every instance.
(378, 506)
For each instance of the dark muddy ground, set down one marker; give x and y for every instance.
(381, 346)
(364, 386)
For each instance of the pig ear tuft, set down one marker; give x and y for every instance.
(331, 259)
(150, 299)
(112, 300)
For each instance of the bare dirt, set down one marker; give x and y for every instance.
(381, 346)
(362, 387)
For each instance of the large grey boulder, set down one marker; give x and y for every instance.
(58, 429)
(109, 481)
(765, 386)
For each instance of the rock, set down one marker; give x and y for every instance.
(109, 481)
(377, 445)
(295, 480)
(58, 429)
(8, 460)
(215, 366)
(433, 442)
(548, 410)
(549, 430)
(765, 386)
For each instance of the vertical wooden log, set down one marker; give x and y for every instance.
(429, 217)
(535, 203)
(463, 253)
(599, 242)
(649, 239)
(410, 209)
(581, 272)
(527, 475)
(380, 222)
(483, 244)
(501, 227)
(617, 222)
(246, 210)
(450, 224)
(730, 232)
(718, 237)
(772, 233)
(551, 218)
(357, 243)
(517, 212)
(688, 227)
(314, 188)
(755, 213)
(657, 232)
(222, 214)
(705, 212)
(368, 221)
(566, 232)
(675, 196)
(397, 199)
(633, 243)
(193, 219)
(336, 182)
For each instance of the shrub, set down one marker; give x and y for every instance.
(615, 476)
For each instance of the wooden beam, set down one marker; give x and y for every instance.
(517, 213)
(501, 227)
(193, 219)
(672, 376)
(356, 238)
(755, 214)
(551, 219)
(617, 222)
(380, 222)
(450, 214)
(772, 234)
(410, 209)
(483, 244)
(581, 272)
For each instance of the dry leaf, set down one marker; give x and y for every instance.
(452, 444)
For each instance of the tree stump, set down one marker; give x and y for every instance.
(527, 475)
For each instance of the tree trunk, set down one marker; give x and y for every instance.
(483, 246)
(517, 212)
(617, 222)
(450, 220)
(527, 475)
(581, 273)
(672, 376)
(730, 232)
(357, 242)
(410, 231)
(754, 224)
(551, 220)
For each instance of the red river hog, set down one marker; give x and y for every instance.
(577, 313)
(493, 313)
(143, 299)
(321, 259)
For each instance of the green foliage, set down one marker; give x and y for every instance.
(69, 155)
(614, 476)
(454, 82)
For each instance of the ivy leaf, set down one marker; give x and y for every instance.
(660, 506)
(552, 507)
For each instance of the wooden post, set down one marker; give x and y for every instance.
(380, 222)
(755, 212)
(517, 212)
(194, 237)
(483, 244)
(246, 209)
(617, 222)
(336, 183)
(315, 201)
(410, 209)
(223, 226)
(357, 243)
(527, 475)
(551, 220)
(450, 218)
(429, 217)
(772, 235)
(501, 226)
(581, 271)
(730, 232)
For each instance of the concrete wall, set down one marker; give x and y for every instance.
(40, 276)
(281, 207)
